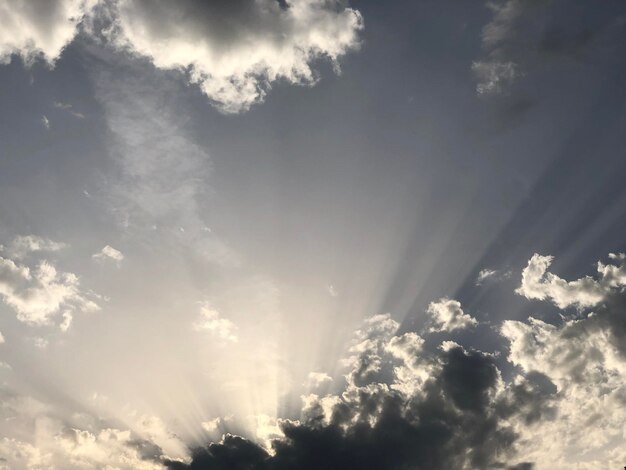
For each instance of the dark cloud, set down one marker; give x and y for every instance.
(526, 34)
(453, 421)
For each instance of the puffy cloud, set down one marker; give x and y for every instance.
(38, 294)
(459, 418)
(39, 28)
(38, 434)
(62, 447)
(109, 253)
(447, 315)
(235, 50)
(406, 406)
(210, 320)
(538, 283)
(318, 379)
(586, 423)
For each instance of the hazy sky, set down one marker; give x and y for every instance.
(312, 234)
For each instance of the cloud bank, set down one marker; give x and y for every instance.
(408, 406)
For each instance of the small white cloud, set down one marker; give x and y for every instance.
(538, 283)
(491, 275)
(69, 108)
(493, 76)
(41, 343)
(109, 253)
(23, 245)
(318, 379)
(38, 294)
(485, 274)
(45, 121)
(447, 315)
(331, 290)
(220, 327)
(1, 338)
(214, 425)
(67, 321)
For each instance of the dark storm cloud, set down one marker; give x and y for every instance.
(407, 408)
(454, 421)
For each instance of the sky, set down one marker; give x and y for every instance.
(312, 234)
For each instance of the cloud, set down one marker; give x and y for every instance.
(316, 380)
(459, 418)
(236, 50)
(491, 275)
(23, 245)
(39, 28)
(38, 294)
(220, 327)
(69, 108)
(1, 338)
(538, 283)
(524, 35)
(65, 447)
(406, 406)
(45, 121)
(109, 253)
(493, 77)
(447, 315)
(588, 371)
(332, 291)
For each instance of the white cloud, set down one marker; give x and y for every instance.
(38, 294)
(109, 253)
(318, 379)
(589, 373)
(69, 108)
(235, 51)
(23, 245)
(538, 283)
(1, 338)
(67, 321)
(45, 121)
(493, 76)
(447, 315)
(220, 327)
(39, 29)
